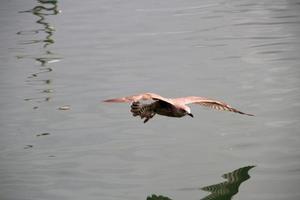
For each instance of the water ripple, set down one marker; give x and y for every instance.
(265, 23)
(42, 10)
(176, 9)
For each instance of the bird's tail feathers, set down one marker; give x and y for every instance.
(144, 111)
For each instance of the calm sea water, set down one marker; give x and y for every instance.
(76, 53)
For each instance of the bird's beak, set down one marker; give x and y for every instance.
(190, 114)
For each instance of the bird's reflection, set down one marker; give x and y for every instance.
(43, 9)
(226, 190)
(220, 191)
(158, 197)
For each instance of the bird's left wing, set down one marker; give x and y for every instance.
(218, 105)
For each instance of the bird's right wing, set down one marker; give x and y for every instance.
(218, 105)
(139, 97)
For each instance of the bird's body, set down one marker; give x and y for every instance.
(166, 109)
(156, 107)
(169, 107)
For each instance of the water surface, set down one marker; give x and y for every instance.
(73, 54)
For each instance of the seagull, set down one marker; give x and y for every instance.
(169, 107)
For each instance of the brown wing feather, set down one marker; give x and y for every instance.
(139, 97)
(218, 105)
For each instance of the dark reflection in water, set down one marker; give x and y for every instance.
(220, 191)
(46, 57)
(158, 197)
(226, 190)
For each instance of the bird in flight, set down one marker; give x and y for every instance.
(169, 107)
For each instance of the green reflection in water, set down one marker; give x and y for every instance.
(43, 9)
(226, 190)
(160, 197)
(220, 191)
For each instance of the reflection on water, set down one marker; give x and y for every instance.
(158, 197)
(220, 191)
(226, 190)
(46, 57)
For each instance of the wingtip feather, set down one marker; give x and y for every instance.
(246, 114)
(114, 100)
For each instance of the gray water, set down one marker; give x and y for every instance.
(78, 53)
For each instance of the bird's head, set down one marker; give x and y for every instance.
(187, 110)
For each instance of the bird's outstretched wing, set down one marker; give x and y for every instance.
(139, 97)
(218, 105)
